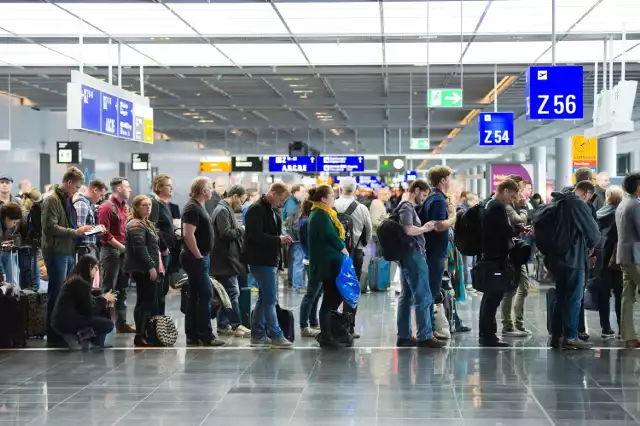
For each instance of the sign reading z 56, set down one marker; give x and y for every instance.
(555, 93)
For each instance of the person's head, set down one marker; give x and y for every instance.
(528, 189)
(440, 177)
(517, 179)
(6, 183)
(86, 268)
(348, 186)
(631, 184)
(29, 197)
(322, 194)
(218, 187)
(96, 190)
(201, 189)
(472, 199)
(235, 197)
(614, 195)
(305, 209)
(163, 186)
(141, 207)
(120, 188)
(277, 194)
(11, 214)
(24, 185)
(536, 199)
(418, 191)
(507, 191)
(72, 181)
(48, 188)
(603, 180)
(584, 174)
(585, 190)
(299, 192)
(252, 195)
(383, 194)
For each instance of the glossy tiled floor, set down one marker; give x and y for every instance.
(372, 385)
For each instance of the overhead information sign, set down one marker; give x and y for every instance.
(140, 162)
(215, 166)
(555, 93)
(420, 143)
(339, 164)
(246, 164)
(292, 164)
(444, 98)
(69, 152)
(496, 129)
(96, 106)
(410, 175)
(392, 164)
(584, 151)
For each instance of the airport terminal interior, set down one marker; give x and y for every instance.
(308, 92)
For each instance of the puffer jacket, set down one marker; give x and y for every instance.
(142, 247)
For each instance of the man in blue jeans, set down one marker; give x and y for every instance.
(436, 243)
(261, 250)
(415, 275)
(290, 216)
(59, 232)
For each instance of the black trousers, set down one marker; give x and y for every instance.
(331, 301)
(358, 262)
(146, 302)
(488, 309)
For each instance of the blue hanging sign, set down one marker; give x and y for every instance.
(340, 164)
(109, 108)
(292, 164)
(496, 129)
(125, 119)
(90, 108)
(555, 93)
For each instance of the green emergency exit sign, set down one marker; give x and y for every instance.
(444, 98)
(419, 143)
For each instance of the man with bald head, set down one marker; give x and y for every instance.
(602, 184)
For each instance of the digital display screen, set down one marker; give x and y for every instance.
(285, 164)
(340, 164)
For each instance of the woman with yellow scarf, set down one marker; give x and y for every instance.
(326, 251)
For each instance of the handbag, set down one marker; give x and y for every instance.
(493, 276)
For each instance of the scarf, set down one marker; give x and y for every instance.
(605, 210)
(333, 215)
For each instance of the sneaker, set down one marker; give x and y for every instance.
(141, 342)
(309, 332)
(493, 343)
(513, 332)
(193, 342)
(463, 329)
(214, 343)
(608, 334)
(632, 344)
(126, 329)
(355, 335)
(241, 331)
(583, 336)
(262, 342)
(432, 343)
(404, 342)
(281, 343)
(72, 341)
(225, 330)
(575, 344)
(524, 330)
(554, 342)
(440, 336)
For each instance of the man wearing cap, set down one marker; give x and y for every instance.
(7, 235)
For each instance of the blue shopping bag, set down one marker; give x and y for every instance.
(347, 282)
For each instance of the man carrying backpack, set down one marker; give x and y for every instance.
(290, 216)
(356, 220)
(565, 233)
(85, 205)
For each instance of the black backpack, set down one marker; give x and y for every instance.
(395, 243)
(34, 224)
(551, 239)
(291, 225)
(347, 222)
(468, 230)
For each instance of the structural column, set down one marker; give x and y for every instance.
(520, 157)
(608, 155)
(539, 157)
(563, 163)
(474, 180)
(482, 182)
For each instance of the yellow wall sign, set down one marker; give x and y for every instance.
(584, 152)
(215, 166)
(148, 131)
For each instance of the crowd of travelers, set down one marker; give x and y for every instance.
(95, 240)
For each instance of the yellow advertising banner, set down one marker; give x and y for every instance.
(584, 152)
(148, 131)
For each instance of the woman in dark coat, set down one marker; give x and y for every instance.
(79, 314)
(609, 277)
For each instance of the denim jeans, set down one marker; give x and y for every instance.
(29, 269)
(230, 316)
(264, 321)
(309, 305)
(58, 267)
(197, 320)
(6, 267)
(569, 293)
(415, 288)
(296, 265)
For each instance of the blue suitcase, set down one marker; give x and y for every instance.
(379, 275)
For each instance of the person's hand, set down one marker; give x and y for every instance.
(110, 297)
(592, 261)
(165, 252)
(344, 251)
(522, 200)
(83, 229)
(153, 274)
(285, 240)
(102, 228)
(429, 226)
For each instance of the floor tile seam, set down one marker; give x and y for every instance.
(34, 376)
(255, 358)
(306, 386)
(635, 418)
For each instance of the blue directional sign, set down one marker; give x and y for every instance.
(339, 164)
(125, 119)
(410, 175)
(292, 164)
(109, 120)
(496, 129)
(90, 109)
(555, 93)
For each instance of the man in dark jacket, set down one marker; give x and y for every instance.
(218, 190)
(261, 251)
(227, 265)
(569, 270)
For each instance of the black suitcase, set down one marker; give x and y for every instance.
(551, 304)
(287, 323)
(13, 320)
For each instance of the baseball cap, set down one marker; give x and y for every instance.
(6, 177)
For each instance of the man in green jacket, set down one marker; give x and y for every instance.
(59, 232)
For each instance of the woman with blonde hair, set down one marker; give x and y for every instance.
(161, 217)
(143, 262)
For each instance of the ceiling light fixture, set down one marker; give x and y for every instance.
(303, 91)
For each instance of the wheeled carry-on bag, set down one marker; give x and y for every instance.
(379, 274)
(287, 323)
(13, 308)
(36, 312)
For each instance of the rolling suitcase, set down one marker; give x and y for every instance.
(379, 274)
(13, 315)
(287, 323)
(36, 312)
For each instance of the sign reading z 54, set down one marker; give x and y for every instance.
(496, 129)
(555, 93)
